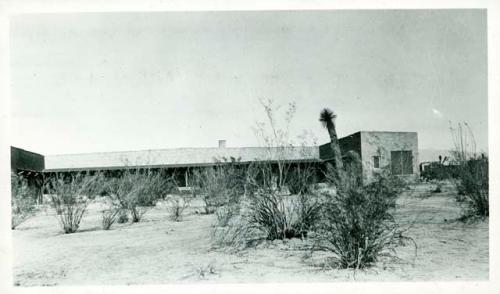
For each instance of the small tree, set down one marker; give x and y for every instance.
(22, 200)
(70, 196)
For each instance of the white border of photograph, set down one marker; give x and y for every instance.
(8, 8)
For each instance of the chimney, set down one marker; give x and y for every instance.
(222, 143)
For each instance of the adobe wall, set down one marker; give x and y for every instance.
(381, 144)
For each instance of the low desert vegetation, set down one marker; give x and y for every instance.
(220, 186)
(274, 211)
(122, 216)
(472, 180)
(137, 190)
(111, 213)
(358, 224)
(70, 195)
(349, 217)
(23, 204)
(177, 205)
(352, 219)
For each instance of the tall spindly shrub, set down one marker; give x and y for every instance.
(70, 196)
(472, 178)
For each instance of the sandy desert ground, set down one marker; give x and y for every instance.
(158, 250)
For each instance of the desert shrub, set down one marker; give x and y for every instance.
(223, 184)
(473, 186)
(270, 213)
(237, 234)
(209, 184)
(308, 213)
(70, 196)
(267, 216)
(109, 217)
(22, 200)
(137, 190)
(357, 222)
(110, 214)
(358, 225)
(437, 171)
(122, 216)
(225, 213)
(177, 205)
(275, 213)
(301, 179)
(267, 210)
(438, 188)
(472, 173)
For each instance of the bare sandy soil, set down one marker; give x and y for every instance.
(158, 250)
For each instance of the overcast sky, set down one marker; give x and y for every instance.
(132, 81)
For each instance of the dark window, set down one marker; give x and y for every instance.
(401, 162)
(376, 161)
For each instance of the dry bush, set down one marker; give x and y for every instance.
(110, 214)
(109, 217)
(221, 185)
(269, 211)
(137, 190)
(177, 205)
(300, 179)
(237, 234)
(267, 216)
(70, 196)
(472, 173)
(275, 213)
(271, 214)
(357, 220)
(22, 200)
(225, 213)
(308, 213)
(473, 186)
(122, 216)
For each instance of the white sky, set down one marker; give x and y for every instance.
(127, 81)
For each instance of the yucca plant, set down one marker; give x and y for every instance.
(327, 118)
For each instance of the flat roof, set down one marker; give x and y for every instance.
(179, 157)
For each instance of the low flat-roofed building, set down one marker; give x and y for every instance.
(396, 151)
(178, 160)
